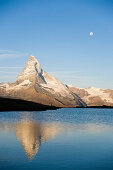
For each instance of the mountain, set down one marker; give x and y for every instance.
(93, 96)
(36, 85)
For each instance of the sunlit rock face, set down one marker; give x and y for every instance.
(34, 84)
(93, 96)
(32, 135)
(31, 70)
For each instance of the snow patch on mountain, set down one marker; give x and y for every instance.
(25, 83)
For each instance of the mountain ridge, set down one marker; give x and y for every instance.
(94, 96)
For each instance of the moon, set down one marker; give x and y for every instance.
(91, 33)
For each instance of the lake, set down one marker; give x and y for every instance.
(71, 138)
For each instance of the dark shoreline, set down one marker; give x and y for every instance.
(9, 104)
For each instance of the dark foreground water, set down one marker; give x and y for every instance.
(57, 140)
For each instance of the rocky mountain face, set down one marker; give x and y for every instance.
(34, 84)
(94, 96)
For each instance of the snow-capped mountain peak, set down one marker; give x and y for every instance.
(35, 74)
(31, 69)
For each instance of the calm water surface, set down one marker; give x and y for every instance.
(57, 140)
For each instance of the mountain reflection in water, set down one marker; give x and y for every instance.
(60, 139)
(32, 134)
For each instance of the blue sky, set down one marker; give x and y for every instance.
(57, 33)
